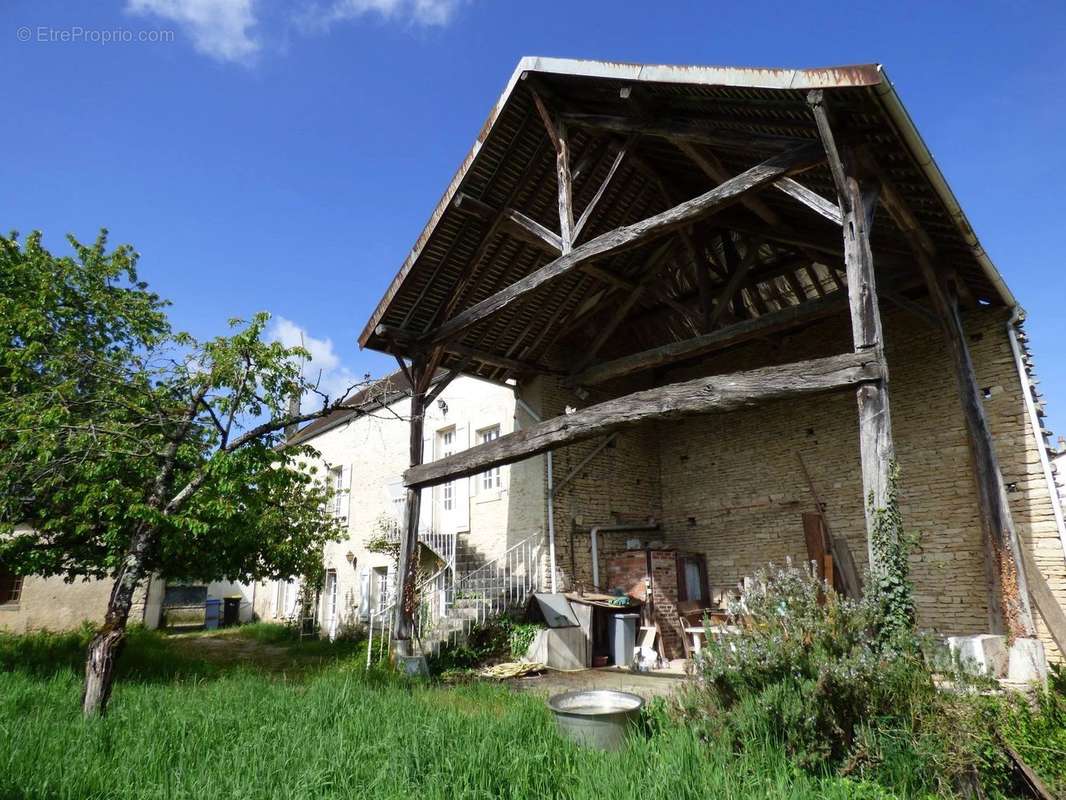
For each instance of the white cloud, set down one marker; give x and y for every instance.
(426, 13)
(325, 366)
(221, 29)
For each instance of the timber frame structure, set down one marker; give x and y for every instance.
(613, 220)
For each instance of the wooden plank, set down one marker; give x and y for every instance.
(1046, 603)
(715, 394)
(566, 189)
(850, 580)
(811, 199)
(629, 236)
(496, 360)
(742, 331)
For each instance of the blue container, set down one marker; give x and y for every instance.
(212, 612)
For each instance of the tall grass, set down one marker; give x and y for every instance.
(346, 733)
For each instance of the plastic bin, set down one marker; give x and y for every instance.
(622, 638)
(212, 612)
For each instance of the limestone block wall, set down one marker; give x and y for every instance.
(730, 486)
(55, 605)
(373, 451)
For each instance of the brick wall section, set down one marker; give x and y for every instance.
(730, 487)
(628, 569)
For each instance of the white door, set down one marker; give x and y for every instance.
(330, 610)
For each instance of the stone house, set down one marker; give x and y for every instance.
(700, 279)
(463, 525)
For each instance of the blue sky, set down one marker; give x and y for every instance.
(285, 155)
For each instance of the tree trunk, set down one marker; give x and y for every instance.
(106, 645)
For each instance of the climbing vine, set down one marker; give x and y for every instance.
(891, 569)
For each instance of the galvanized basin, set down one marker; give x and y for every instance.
(598, 718)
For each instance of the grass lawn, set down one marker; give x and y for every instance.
(252, 713)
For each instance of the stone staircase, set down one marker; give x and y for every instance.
(453, 600)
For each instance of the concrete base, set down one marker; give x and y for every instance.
(984, 654)
(1028, 662)
(413, 666)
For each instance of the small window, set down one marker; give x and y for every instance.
(10, 588)
(340, 493)
(490, 479)
(447, 447)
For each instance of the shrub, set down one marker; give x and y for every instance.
(500, 639)
(821, 676)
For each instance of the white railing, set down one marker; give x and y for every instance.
(443, 545)
(449, 605)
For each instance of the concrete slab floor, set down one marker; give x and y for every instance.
(647, 685)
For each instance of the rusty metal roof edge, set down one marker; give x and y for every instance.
(861, 75)
(897, 112)
(741, 77)
(442, 206)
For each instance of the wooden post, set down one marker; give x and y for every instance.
(1008, 592)
(403, 619)
(857, 204)
(1008, 596)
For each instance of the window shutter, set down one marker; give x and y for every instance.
(345, 493)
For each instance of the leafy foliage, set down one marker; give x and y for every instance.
(112, 425)
(824, 678)
(890, 582)
(498, 639)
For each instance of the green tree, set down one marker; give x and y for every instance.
(128, 449)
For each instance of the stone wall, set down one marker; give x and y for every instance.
(730, 486)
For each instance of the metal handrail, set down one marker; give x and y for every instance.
(501, 582)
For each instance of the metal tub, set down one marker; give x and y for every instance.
(598, 718)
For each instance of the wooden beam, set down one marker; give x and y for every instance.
(1007, 577)
(858, 202)
(811, 199)
(735, 281)
(492, 359)
(403, 626)
(697, 346)
(682, 129)
(715, 394)
(529, 230)
(587, 213)
(634, 235)
(556, 130)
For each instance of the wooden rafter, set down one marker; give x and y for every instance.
(591, 207)
(698, 346)
(630, 236)
(715, 394)
(556, 130)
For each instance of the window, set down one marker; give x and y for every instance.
(491, 478)
(447, 447)
(10, 588)
(381, 579)
(338, 483)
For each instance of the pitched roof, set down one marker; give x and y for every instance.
(378, 394)
(463, 255)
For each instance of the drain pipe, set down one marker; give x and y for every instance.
(551, 494)
(1034, 420)
(598, 529)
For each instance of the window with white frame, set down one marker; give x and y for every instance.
(340, 491)
(447, 447)
(490, 479)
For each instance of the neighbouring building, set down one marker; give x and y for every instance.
(701, 278)
(465, 526)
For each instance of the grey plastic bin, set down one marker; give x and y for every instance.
(622, 638)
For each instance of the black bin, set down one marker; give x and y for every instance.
(231, 611)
